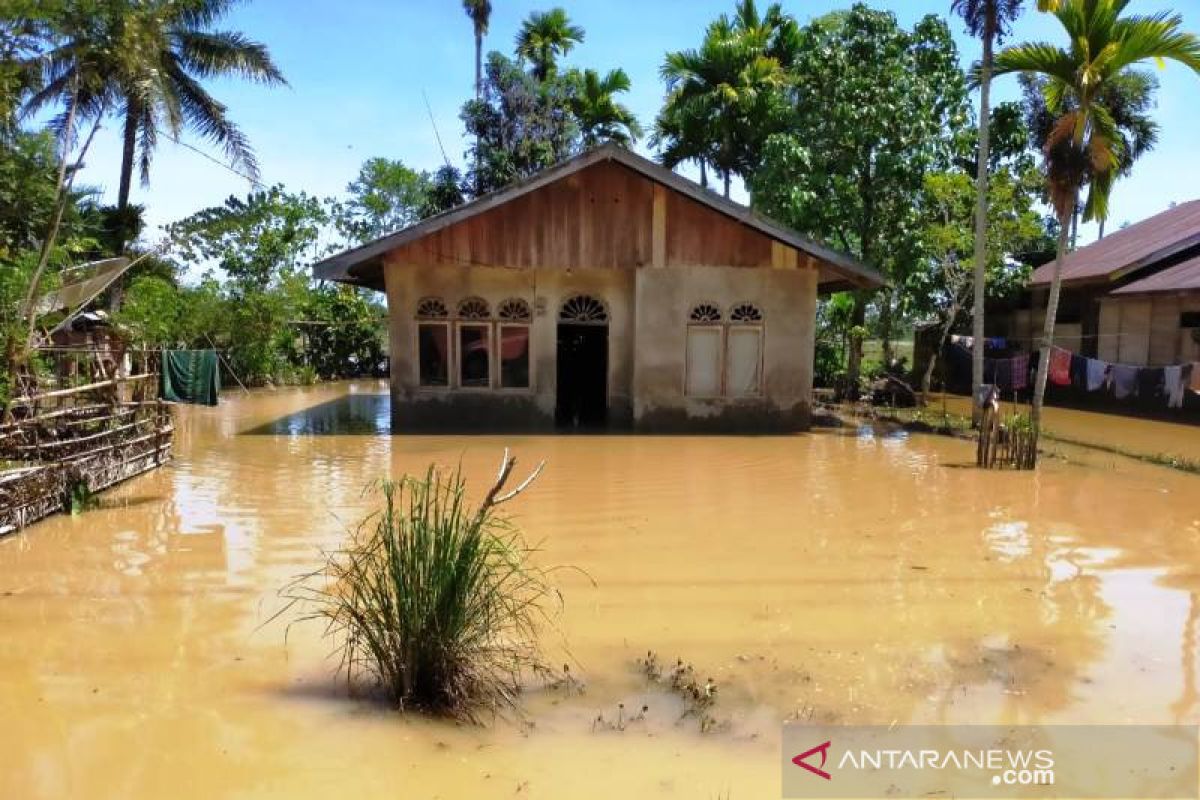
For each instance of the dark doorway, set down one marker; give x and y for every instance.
(582, 376)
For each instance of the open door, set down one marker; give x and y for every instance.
(582, 372)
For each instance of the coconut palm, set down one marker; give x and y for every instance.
(1084, 146)
(599, 116)
(146, 61)
(544, 38)
(480, 12)
(988, 20)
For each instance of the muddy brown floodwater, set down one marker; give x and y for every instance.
(845, 576)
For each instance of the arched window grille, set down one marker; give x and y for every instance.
(431, 308)
(474, 308)
(705, 313)
(515, 310)
(745, 312)
(583, 309)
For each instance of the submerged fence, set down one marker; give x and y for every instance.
(81, 420)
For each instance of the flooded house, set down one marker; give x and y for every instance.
(1132, 297)
(604, 292)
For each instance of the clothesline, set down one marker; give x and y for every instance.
(1001, 342)
(1093, 374)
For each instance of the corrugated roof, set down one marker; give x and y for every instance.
(341, 267)
(1130, 249)
(1179, 278)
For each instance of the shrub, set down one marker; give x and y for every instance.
(434, 601)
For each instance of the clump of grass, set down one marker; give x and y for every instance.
(698, 698)
(436, 602)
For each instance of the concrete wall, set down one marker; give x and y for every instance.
(665, 298)
(648, 318)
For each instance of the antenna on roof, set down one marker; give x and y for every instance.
(436, 135)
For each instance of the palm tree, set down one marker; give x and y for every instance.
(544, 37)
(1084, 147)
(988, 20)
(480, 12)
(600, 117)
(721, 96)
(147, 60)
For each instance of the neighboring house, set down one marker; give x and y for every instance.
(1132, 297)
(606, 291)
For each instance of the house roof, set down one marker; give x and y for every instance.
(1182, 277)
(362, 265)
(1130, 249)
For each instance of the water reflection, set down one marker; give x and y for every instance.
(349, 415)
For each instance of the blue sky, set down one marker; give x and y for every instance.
(360, 71)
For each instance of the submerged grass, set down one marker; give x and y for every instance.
(436, 602)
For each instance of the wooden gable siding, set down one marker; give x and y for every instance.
(603, 216)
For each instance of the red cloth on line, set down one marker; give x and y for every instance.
(1060, 366)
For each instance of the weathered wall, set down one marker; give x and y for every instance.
(1144, 329)
(665, 298)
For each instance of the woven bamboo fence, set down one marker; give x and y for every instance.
(1001, 446)
(81, 421)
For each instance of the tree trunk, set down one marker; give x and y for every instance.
(478, 64)
(1102, 221)
(1043, 371)
(1075, 227)
(854, 361)
(728, 178)
(116, 295)
(981, 210)
(885, 328)
(703, 175)
(128, 153)
(927, 378)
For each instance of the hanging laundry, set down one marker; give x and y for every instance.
(1150, 382)
(1124, 380)
(1060, 366)
(1097, 374)
(1078, 371)
(1020, 372)
(1174, 384)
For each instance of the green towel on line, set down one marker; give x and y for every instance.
(190, 376)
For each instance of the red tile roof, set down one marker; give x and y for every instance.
(1130, 249)
(1179, 278)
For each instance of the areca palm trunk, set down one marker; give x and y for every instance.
(981, 210)
(1043, 371)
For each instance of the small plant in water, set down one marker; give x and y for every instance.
(435, 601)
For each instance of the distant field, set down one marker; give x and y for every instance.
(903, 348)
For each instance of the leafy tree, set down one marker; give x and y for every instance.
(445, 192)
(726, 97)
(544, 37)
(152, 310)
(387, 196)
(344, 331)
(597, 113)
(521, 126)
(1085, 146)
(259, 241)
(948, 232)
(877, 108)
